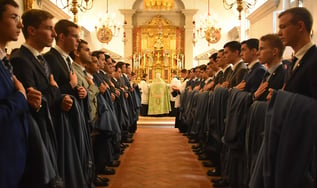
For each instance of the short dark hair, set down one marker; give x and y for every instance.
(184, 71)
(113, 61)
(61, 27)
(120, 64)
(252, 43)
(214, 56)
(117, 66)
(203, 67)
(33, 18)
(97, 53)
(274, 42)
(300, 14)
(3, 4)
(81, 41)
(233, 46)
(144, 76)
(107, 57)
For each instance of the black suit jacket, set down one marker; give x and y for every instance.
(303, 79)
(107, 79)
(276, 81)
(32, 74)
(227, 74)
(126, 81)
(254, 78)
(219, 78)
(40, 169)
(117, 83)
(238, 74)
(60, 71)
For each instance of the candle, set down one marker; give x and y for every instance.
(144, 58)
(139, 57)
(182, 62)
(133, 60)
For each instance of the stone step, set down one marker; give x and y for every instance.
(149, 121)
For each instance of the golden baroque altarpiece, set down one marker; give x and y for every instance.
(158, 47)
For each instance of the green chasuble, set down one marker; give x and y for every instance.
(159, 98)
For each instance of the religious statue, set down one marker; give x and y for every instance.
(158, 43)
(159, 97)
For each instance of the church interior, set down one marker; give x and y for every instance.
(169, 127)
(168, 38)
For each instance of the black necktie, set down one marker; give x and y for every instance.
(294, 66)
(44, 64)
(85, 72)
(266, 76)
(7, 65)
(69, 63)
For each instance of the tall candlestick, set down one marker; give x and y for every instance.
(182, 61)
(172, 62)
(139, 60)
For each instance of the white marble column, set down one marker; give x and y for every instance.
(189, 13)
(128, 28)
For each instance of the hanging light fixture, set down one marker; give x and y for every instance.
(108, 27)
(241, 5)
(207, 28)
(159, 4)
(74, 6)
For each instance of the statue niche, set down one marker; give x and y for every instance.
(158, 48)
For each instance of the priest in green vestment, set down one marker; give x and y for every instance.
(159, 97)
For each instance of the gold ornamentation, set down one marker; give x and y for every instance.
(158, 46)
(75, 6)
(28, 4)
(104, 34)
(159, 4)
(241, 5)
(207, 28)
(108, 27)
(213, 35)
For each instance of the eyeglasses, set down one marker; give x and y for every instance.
(16, 18)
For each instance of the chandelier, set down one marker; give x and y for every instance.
(74, 6)
(241, 5)
(207, 28)
(108, 27)
(159, 4)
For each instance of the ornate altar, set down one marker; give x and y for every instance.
(158, 47)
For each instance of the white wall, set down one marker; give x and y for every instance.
(265, 18)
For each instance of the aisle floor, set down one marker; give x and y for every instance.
(159, 158)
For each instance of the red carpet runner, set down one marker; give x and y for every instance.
(159, 158)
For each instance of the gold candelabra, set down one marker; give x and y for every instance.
(74, 6)
(241, 5)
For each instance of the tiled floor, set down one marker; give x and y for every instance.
(159, 158)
